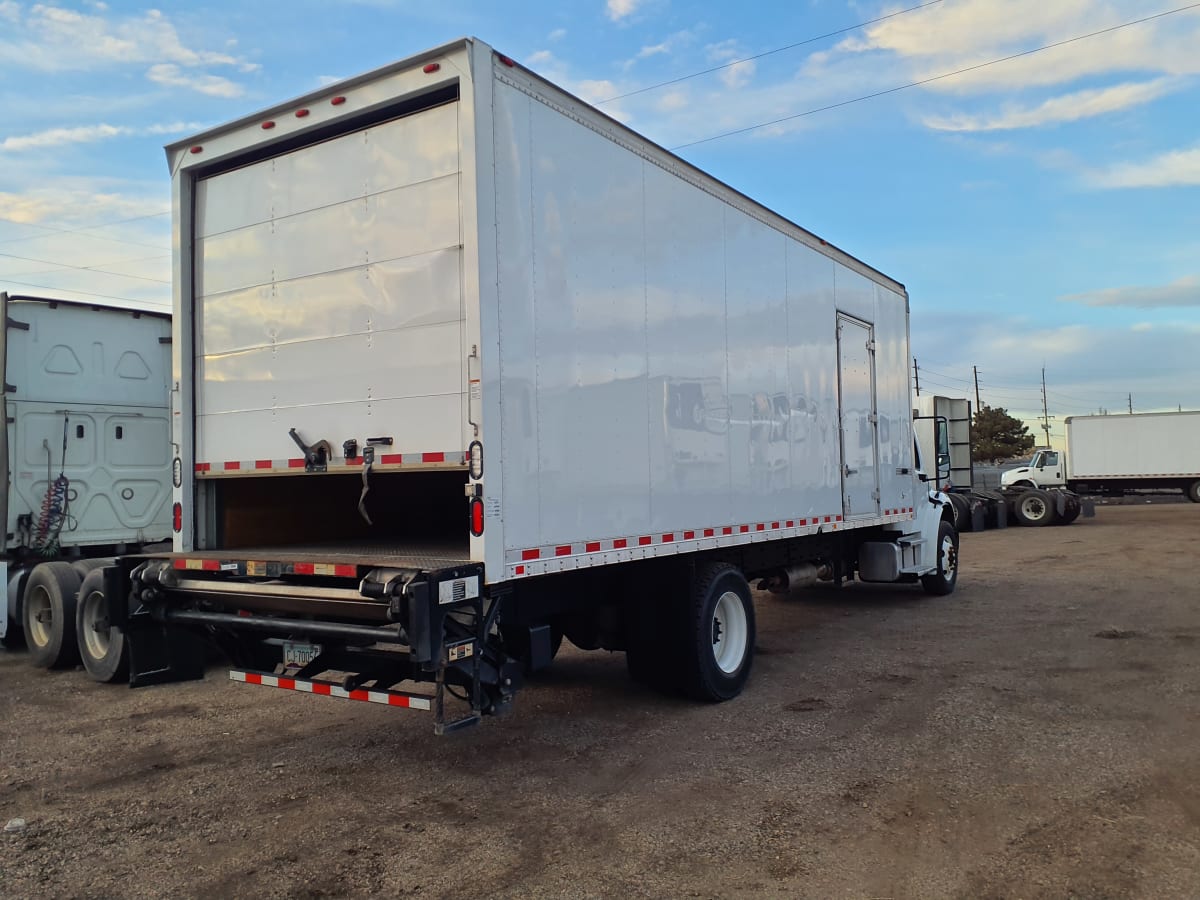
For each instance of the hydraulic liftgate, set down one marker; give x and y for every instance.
(429, 627)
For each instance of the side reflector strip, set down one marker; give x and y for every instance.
(304, 685)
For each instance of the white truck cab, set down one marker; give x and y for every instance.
(1047, 468)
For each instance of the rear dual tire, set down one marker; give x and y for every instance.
(701, 641)
(1193, 491)
(1034, 508)
(101, 647)
(48, 616)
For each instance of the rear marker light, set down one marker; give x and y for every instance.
(430, 68)
(177, 517)
(301, 113)
(196, 149)
(267, 126)
(476, 517)
(338, 101)
(504, 59)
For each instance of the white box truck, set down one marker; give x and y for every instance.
(86, 475)
(464, 366)
(1118, 453)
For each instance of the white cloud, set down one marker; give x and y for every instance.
(69, 204)
(1139, 327)
(556, 35)
(738, 75)
(1178, 168)
(655, 50)
(620, 9)
(1066, 108)
(86, 134)
(171, 75)
(54, 39)
(1182, 292)
(540, 57)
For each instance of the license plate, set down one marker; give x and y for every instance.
(296, 654)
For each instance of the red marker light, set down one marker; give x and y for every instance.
(504, 59)
(301, 113)
(177, 517)
(196, 149)
(267, 126)
(476, 516)
(430, 68)
(338, 101)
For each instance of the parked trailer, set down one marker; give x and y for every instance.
(465, 366)
(86, 468)
(1119, 453)
(977, 507)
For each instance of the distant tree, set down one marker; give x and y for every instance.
(997, 435)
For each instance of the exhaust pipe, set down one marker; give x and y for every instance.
(803, 575)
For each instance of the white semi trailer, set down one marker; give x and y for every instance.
(86, 475)
(1118, 453)
(463, 366)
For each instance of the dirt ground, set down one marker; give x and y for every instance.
(1033, 735)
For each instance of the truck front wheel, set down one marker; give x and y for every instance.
(49, 614)
(101, 647)
(942, 580)
(1193, 491)
(720, 634)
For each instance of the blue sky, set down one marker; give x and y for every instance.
(1042, 211)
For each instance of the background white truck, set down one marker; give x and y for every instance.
(86, 461)
(465, 366)
(1117, 453)
(976, 506)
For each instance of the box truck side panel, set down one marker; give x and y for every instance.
(328, 296)
(685, 348)
(1138, 446)
(88, 418)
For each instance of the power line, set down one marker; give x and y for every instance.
(83, 228)
(737, 62)
(47, 287)
(911, 84)
(96, 269)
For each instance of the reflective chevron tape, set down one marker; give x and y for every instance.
(304, 685)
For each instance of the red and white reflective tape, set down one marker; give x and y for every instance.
(265, 567)
(383, 460)
(536, 560)
(386, 698)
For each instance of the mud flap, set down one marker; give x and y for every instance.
(158, 653)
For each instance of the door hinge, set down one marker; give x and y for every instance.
(20, 326)
(870, 345)
(873, 418)
(875, 495)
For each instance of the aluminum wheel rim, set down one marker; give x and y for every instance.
(729, 632)
(1034, 508)
(950, 559)
(41, 616)
(96, 635)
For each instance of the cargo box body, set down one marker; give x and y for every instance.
(1148, 447)
(451, 256)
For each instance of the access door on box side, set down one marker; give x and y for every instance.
(857, 410)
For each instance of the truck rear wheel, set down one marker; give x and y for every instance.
(1034, 508)
(1193, 491)
(49, 615)
(720, 634)
(942, 581)
(101, 647)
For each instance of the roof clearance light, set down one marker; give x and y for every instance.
(338, 101)
(196, 149)
(267, 126)
(430, 68)
(301, 113)
(504, 59)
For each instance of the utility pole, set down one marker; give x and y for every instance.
(1131, 404)
(917, 376)
(1045, 409)
(975, 369)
